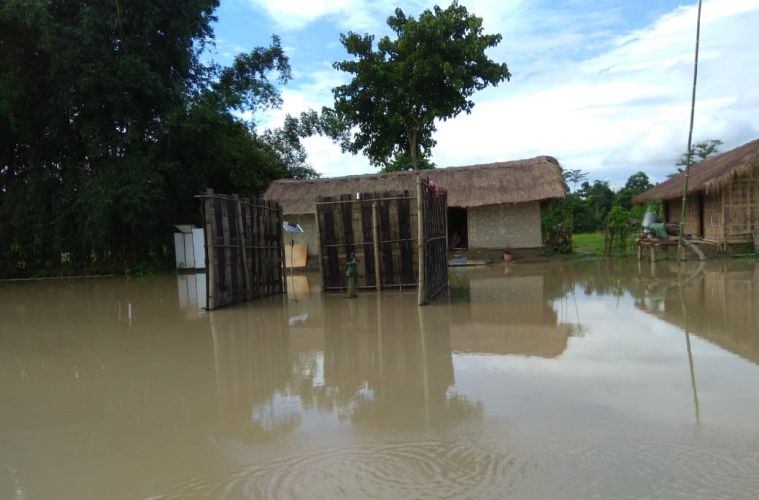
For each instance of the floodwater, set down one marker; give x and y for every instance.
(566, 380)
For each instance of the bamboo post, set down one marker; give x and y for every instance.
(318, 243)
(210, 234)
(420, 241)
(375, 237)
(243, 247)
(689, 155)
(282, 263)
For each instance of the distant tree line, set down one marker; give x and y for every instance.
(110, 122)
(593, 206)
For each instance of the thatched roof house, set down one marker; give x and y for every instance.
(494, 205)
(723, 192)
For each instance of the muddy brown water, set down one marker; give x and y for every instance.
(575, 380)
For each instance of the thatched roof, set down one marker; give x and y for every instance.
(710, 175)
(520, 181)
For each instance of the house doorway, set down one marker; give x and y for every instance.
(458, 233)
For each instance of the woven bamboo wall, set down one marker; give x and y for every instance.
(741, 208)
(714, 230)
(692, 221)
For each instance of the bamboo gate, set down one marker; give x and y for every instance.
(243, 248)
(433, 235)
(383, 231)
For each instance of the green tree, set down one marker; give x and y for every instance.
(401, 162)
(594, 203)
(698, 153)
(429, 71)
(574, 176)
(636, 184)
(110, 122)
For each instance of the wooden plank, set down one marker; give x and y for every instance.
(376, 246)
(388, 272)
(405, 243)
(346, 211)
(211, 264)
(420, 296)
(332, 277)
(243, 249)
(368, 238)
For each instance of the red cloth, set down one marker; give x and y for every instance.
(434, 188)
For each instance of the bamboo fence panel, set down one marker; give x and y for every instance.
(376, 227)
(434, 241)
(243, 248)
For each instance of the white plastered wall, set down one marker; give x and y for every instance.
(505, 226)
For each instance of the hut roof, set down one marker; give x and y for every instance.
(709, 175)
(520, 181)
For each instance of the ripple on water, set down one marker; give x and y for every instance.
(638, 467)
(419, 470)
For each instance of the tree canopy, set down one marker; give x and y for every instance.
(428, 71)
(698, 153)
(110, 121)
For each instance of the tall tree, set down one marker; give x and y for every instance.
(698, 153)
(110, 122)
(574, 176)
(636, 184)
(429, 71)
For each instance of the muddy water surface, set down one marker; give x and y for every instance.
(574, 380)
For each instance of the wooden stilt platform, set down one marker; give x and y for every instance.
(653, 244)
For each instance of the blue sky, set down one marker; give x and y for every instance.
(604, 86)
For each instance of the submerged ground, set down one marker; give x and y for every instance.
(603, 379)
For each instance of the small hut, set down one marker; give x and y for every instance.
(723, 197)
(490, 206)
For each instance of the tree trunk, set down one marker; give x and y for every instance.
(412, 148)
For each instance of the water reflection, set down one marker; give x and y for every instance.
(371, 361)
(722, 303)
(525, 380)
(507, 314)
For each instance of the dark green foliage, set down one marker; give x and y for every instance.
(590, 205)
(401, 162)
(429, 71)
(109, 124)
(591, 208)
(618, 230)
(636, 184)
(557, 225)
(698, 153)
(574, 176)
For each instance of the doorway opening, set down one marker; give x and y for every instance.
(458, 234)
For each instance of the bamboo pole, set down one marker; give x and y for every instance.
(689, 156)
(375, 237)
(243, 248)
(210, 235)
(319, 245)
(420, 240)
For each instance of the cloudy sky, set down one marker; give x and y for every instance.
(603, 86)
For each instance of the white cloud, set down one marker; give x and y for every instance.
(356, 15)
(626, 109)
(607, 102)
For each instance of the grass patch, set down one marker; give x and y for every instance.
(743, 255)
(588, 243)
(585, 244)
